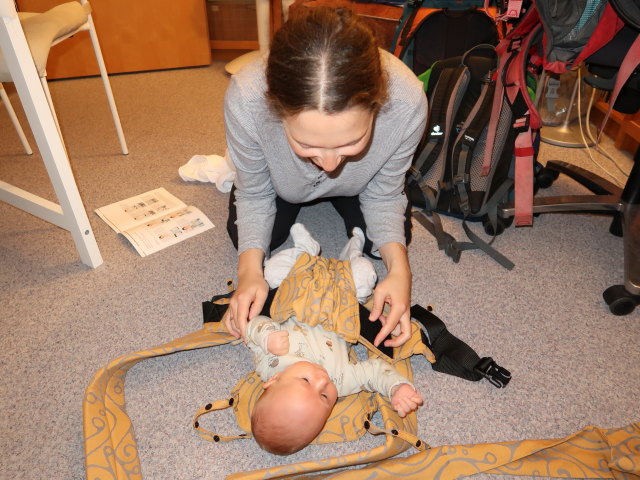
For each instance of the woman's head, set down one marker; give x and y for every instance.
(324, 59)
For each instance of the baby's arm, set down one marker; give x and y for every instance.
(266, 334)
(405, 399)
(278, 342)
(376, 375)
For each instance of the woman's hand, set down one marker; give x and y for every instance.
(250, 295)
(394, 290)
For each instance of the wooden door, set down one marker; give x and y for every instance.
(134, 35)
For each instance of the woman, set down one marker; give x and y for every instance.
(330, 117)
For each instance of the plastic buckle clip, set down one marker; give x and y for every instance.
(514, 44)
(489, 369)
(414, 173)
(521, 125)
(461, 179)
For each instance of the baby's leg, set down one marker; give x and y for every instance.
(362, 270)
(279, 265)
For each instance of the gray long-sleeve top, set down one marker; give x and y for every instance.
(266, 165)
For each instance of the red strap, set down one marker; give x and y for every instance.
(516, 79)
(524, 152)
(523, 29)
(524, 179)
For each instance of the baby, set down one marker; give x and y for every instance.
(305, 370)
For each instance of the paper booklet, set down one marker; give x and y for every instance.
(154, 220)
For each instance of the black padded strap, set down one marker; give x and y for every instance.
(465, 143)
(455, 357)
(444, 103)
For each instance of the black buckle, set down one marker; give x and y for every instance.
(414, 173)
(519, 126)
(461, 179)
(497, 375)
(514, 44)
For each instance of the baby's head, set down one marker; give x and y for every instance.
(293, 408)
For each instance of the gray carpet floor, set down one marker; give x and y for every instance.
(573, 363)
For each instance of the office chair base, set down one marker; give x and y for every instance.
(564, 136)
(608, 199)
(620, 300)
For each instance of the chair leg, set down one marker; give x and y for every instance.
(107, 85)
(14, 120)
(47, 94)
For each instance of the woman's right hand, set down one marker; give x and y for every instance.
(250, 295)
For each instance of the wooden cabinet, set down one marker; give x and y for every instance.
(135, 35)
(233, 26)
(624, 129)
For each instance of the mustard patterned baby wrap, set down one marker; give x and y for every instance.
(321, 291)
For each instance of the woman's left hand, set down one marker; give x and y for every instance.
(394, 290)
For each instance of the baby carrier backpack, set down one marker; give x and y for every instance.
(446, 172)
(432, 30)
(477, 160)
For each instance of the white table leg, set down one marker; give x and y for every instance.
(263, 18)
(70, 214)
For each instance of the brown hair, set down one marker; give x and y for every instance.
(324, 59)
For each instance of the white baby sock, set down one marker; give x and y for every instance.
(279, 265)
(363, 272)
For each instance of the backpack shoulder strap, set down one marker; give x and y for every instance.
(445, 101)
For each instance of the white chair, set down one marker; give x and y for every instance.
(43, 31)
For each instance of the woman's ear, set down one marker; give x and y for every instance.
(271, 381)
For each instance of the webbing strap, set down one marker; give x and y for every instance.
(446, 242)
(512, 49)
(515, 82)
(453, 356)
(465, 143)
(523, 174)
(490, 209)
(496, 109)
(486, 247)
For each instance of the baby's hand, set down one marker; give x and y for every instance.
(404, 399)
(278, 342)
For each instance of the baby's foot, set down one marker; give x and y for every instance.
(303, 240)
(354, 246)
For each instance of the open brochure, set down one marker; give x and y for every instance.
(154, 220)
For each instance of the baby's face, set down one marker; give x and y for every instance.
(309, 388)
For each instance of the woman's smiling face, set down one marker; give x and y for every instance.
(328, 139)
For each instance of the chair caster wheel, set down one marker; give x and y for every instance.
(545, 177)
(500, 226)
(620, 301)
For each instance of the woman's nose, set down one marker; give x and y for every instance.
(329, 160)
